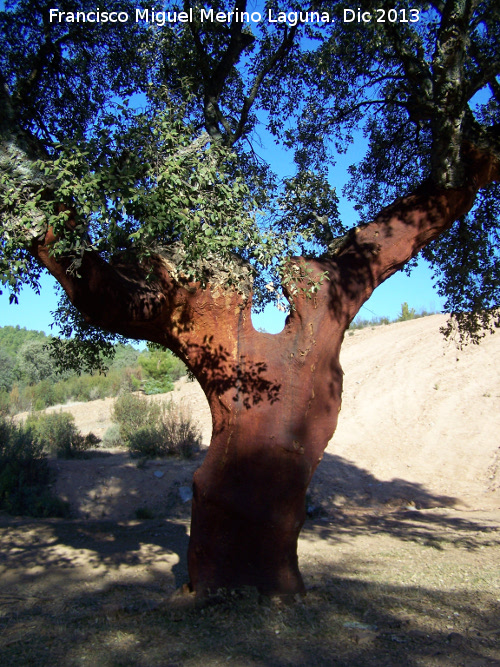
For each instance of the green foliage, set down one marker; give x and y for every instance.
(75, 388)
(7, 374)
(469, 270)
(57, 434)
(125, 357)
(406, 313)
(24, 357)
(25, 474)
(13, 338)
(183, 175)
(133, 412)
(152, 387)
(151, 430)
(162, 369)
(4, 403)
(363, 323)
(147, 442)
(34, 363)
(112, 438)
(29, 381)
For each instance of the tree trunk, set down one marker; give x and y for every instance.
(274, 399)
(271, 426)
(279, 405)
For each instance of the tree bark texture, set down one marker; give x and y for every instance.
(274, 399)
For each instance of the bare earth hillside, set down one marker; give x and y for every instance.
(419, 413)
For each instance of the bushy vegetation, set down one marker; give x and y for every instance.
(161, 369)
(29, 380)
(112, 437)
(151, 430)
(57, 434)
(132, 413)
(407, 313)
(24, 474)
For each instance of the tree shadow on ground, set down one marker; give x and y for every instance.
(117, 486)
(339, 481)
(60, 612)
(345, 500)
(103, 593)
(64, 549)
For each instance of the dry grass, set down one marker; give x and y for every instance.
(104, 594)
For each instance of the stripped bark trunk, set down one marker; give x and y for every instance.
(273, 415)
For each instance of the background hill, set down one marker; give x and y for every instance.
(418, 410)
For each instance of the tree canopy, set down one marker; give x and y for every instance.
(129, 137)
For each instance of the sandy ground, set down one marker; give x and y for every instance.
(419, 427)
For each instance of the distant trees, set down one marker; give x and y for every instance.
(29, 378)
(7, 375)
(23, 357)
(407, 313)
(34, 363)
(161, 369)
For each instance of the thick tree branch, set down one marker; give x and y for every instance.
(215, 79)
(152, 300)
(371, 253)
(449, 98)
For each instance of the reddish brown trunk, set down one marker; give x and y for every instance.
(271, 426)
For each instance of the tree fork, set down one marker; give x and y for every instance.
(249, 494)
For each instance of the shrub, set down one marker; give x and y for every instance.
(25, 474)
(15, 399)
(4, 403)
(132, 413)
(7, 370)
(150, 430)
(407, 313)
(147, 442)
(180, 431)
(130, 380)
(161, 369)
(112, 437)
(158, 386)
(57, 434)
(39, 396)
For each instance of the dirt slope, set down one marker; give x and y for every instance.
(415, 408)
